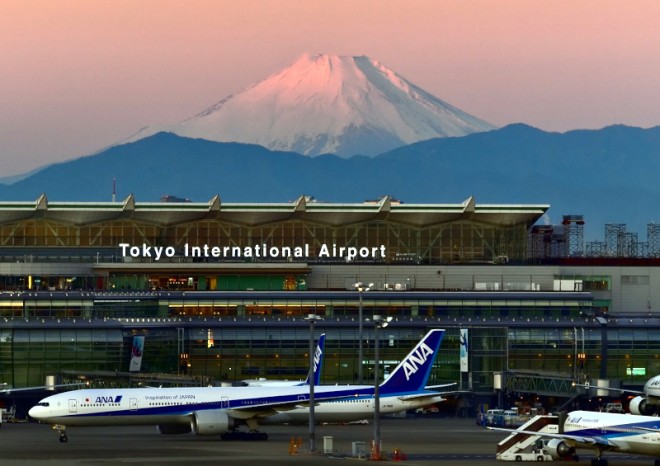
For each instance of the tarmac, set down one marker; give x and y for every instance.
(424, 440)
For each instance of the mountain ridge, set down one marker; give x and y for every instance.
(608, 175)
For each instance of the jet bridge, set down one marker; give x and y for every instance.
(547, 384)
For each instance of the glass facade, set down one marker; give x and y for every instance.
(235, 336)
(28, 354)
(242, 336)
(553, 349)
(633, 354)
(212, 353)
(251, 348)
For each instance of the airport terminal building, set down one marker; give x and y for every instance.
(219, 292)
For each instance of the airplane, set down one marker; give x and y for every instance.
(318, 364)
(220, 410)
(392, 398)
(302, 415)
(647, 401)
(622, 433)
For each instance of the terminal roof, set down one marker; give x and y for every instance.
(252, 214)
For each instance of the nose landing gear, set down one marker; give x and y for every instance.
(62, 431)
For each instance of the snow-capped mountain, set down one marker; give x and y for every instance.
(328, 104)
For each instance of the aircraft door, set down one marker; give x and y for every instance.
(133, 404)
(224, 402)
(73, 406)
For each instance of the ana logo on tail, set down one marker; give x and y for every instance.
(317, 357)
(418, 357)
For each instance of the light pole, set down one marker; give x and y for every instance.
(312, 318)
(379, 323)
(359, 286)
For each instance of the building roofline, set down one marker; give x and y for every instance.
(303, 208)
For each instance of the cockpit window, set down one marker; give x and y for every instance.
(43, 403)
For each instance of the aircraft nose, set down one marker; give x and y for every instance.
(36, 412)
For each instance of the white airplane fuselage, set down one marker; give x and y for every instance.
(151, 406)
(625, 431)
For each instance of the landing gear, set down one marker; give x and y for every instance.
(598, 461)
(258, 435)
(251, 435)
(62, 430)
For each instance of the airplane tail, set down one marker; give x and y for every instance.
(413, 372)
(318, 361)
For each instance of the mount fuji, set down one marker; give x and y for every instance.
(328, 104)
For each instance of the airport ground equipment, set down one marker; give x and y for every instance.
(522, 446)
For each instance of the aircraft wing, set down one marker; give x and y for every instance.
(444, 385)
(611, 389)
(649, 429)
(432, 397)
(595, 441)
(305, 403)
(252, 411)
(271, 408)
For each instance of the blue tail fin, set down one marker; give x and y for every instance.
(318, 361)
(412, 374)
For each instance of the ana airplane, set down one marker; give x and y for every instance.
(622, 433)
(219, 410)
(397, 393)
(318, 364)
(647, 401)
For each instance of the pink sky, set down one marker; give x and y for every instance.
(80, 75)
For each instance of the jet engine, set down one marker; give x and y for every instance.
(173, 429)
(211, 422)
(640, 405)
(559, 449)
